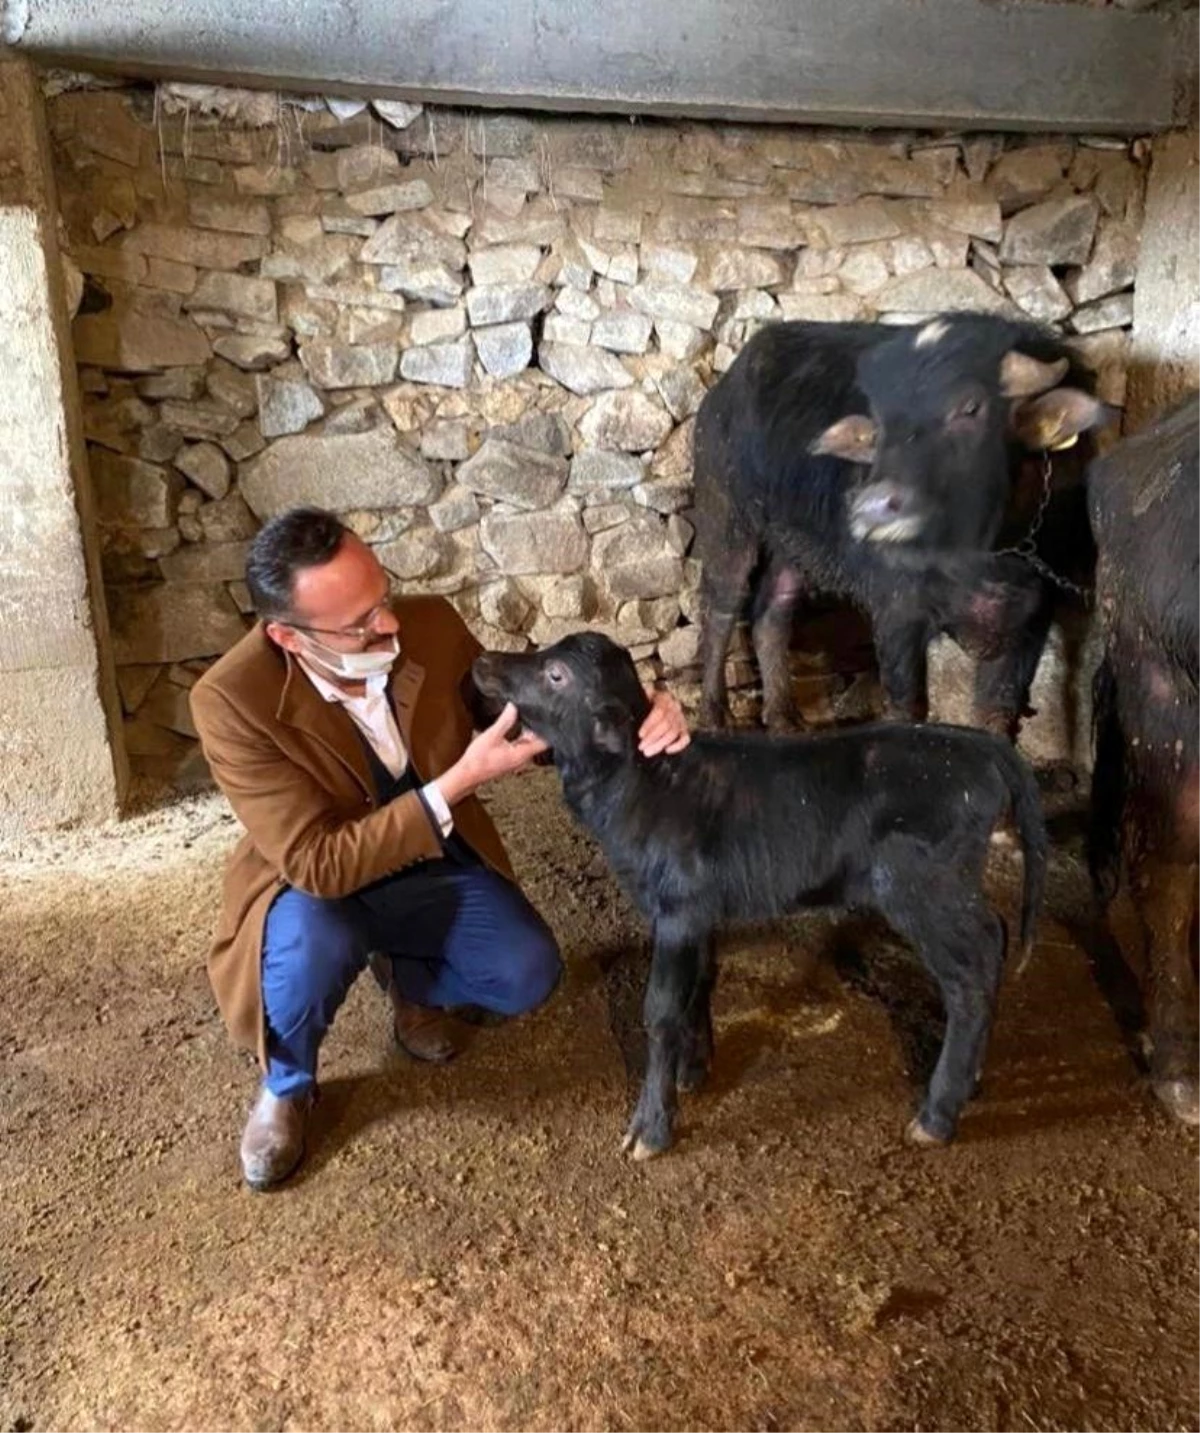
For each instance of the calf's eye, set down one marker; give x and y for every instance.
(969, 408)
(556, 676)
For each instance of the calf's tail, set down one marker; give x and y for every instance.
(1027, 812)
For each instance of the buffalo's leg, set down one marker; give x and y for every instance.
(1164, 893)
(772, 647)
(901, 647)
(723, 588)
(696, 1053)
(670, 993)
(1002, 683)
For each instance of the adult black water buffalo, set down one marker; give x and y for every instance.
(1145, 509)
(888, 465)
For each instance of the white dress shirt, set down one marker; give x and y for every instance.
(372, 715)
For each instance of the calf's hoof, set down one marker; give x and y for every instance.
(638, 1147)
(644, 1139)
(925, 1138)
(1180, 1098)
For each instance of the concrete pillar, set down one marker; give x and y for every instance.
(61, 757)
(1165, 357)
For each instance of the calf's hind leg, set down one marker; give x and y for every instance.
(671, 994)
(961, 942)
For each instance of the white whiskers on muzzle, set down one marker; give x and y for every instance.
(897, 529)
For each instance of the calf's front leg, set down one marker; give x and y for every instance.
(671, 993)
(695, 1055)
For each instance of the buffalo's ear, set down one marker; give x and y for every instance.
(1021, 376)
(612, 729)
(852, 438)
(1056, 419)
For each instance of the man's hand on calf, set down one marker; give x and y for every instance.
(489, 755)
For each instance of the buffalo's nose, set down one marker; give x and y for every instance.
(885, 512)
(879, 503)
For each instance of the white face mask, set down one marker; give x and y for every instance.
(355, 666)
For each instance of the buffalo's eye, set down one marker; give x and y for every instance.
(556, 675)
(968, 408)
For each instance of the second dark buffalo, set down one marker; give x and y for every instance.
(894, 819)
(1145, 837)
(891, 466)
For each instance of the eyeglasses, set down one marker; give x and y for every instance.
(361, 634)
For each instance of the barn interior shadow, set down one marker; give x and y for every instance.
(865, 955)
(625, 968)
(1091, 927)
(1116, 981)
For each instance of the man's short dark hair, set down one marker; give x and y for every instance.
(296, 539)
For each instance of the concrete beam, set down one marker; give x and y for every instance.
(958, 63)
(62, 759)
(1165, 358)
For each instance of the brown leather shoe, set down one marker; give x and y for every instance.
(273, 1140)
(423, 1033)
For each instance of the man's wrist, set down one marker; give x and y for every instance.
(457, 783)
(438, 807)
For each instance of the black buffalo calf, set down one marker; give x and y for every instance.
(892, 818)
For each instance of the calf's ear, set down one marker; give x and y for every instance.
(852, 438)
(482, 710)
(1056, 419)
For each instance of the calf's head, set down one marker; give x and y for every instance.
(950, 400)
(581, 695)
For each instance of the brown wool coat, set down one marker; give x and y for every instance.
(293, 768)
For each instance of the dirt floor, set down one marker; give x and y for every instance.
(465, 1247)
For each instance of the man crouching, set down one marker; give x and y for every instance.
(339, 732)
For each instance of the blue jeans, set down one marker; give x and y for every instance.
(457, 934)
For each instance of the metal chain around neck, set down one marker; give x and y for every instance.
(1026, 549)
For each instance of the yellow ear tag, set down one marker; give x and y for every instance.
(1066, 443)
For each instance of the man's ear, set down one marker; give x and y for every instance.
(282, 635)
(612, 729)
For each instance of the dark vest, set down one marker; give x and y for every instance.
(389, 787)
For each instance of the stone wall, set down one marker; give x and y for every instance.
(483, 339)
(62, 761)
